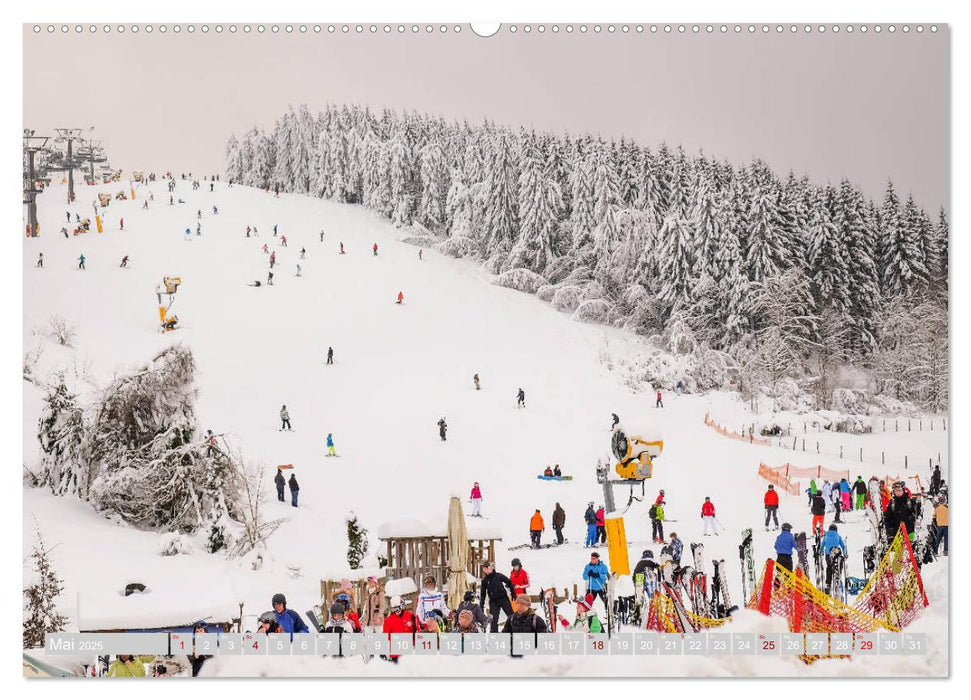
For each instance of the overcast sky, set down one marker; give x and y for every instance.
(867, 106)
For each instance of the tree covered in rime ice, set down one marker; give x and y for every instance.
(41, 616)
(60, 432)
(145, 457)
(655, 234)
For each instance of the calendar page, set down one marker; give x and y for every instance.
(547, 349)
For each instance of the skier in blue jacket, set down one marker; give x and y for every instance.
(288, 620)
(595, 576)
(831, 540)
(784, 544)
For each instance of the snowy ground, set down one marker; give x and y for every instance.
(398, 369)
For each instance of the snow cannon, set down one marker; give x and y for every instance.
(634, 455)
(171, 284)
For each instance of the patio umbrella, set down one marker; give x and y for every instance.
(458, 553)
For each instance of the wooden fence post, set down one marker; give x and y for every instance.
(905, 461)
(883, 457)
(841, 452)
(861, 454)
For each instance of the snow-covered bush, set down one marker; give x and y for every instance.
(172, 543)
(883, 405)
(31, 358)
(457, 246)
(849, 400)
(41, 616)
(420, 241)
(592, 291)
(546, 292)
(789, 396)
(60, 431)
(710, 370)
(62, 331)
(567, 298)
(594, 311)
(521, 279)
(852, 424)
(558, 270)
(147, 463)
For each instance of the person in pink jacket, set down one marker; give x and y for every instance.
(476, 500)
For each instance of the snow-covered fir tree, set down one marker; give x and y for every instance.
(357, 544)
(60, 431)
(41, 615)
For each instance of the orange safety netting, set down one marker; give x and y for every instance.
(750, 438)
(782, 475)
(895, 592)
(662, 616)
(775, 476)
(891, 599)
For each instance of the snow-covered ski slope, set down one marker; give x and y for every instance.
(398, 369)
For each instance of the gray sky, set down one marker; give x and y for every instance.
(867, 106)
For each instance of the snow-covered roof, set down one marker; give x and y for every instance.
(435, 527)
(150, 610)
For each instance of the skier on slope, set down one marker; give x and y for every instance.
(590, 518)
(81, 262)
(771, 502)
(519, 577)
(476, 497)
(303, 253)
(708, 517)
(660, 497)
(121, 224)
(601, 525)
(342, 247)
(595, 576)
(272, 259)
(266, 249)
(330, 355)
(269, 277)
(331, 450)
(124, 261)
(845, 494)
(475, 378)
(494, 586)
(831, 540)
(40, 260)
(375, 249)
(283, 241)
(647, 569)
(559, 520)
(401, 297)
(521, 398)
(818, 510)
(859, 491)
(280, 482)
(659, 403)
(289, 620)
(616, 421)
(785, 543)
(442, 427)
(285, 418)
(536, 528)
(274, 230)
(656, 514)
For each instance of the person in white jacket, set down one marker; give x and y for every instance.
(430, 599)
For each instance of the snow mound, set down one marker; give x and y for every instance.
(173, 543)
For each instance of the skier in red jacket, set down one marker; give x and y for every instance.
(601, 525)
(660, 497)
(771, 501)
(519, 577)
(708, 516)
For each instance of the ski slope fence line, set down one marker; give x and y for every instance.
(782, 476)
(895, 593)
(775, 476)
(857, 453)
(750, 438)
(807, 609)
(662, 616)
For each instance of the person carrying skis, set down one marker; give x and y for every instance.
(285, 418)
(559, 520)
(494, 586)
(659, 403)
(401, 297)
(373, 605)
(476, 498)
(280, 482)
(524, 619)
(81, 262)
(646, 569)
(475, 379)
(375, 249)
(521, 398)
(519, 577)
(398, 621)
(818, 510)
(294, 489)
(785, 543)
(469, 606)
(708, 517)
(859, 490)
(595, 576)
(677, 547)
(831, 540)
(289, 620)
(442, 427)
(771, 502)
(431, 600)
(899, 510)
(845, 493)
(331, 450)
(601, 525)
(656, 514)
(536, 527)
(330, 355)
(590, 518)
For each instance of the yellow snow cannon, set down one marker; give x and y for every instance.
(171, 284)
(634, 455)
(104, 198)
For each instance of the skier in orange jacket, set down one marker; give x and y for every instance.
(536, 527)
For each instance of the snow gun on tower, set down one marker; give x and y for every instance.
(169, 321)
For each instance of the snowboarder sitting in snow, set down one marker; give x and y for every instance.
(548, 471)
(524, 619)
(288, 620)
(556, 471)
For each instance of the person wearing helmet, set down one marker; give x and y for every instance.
(771, 502)
(645, 574)
(338, 622)
(900, 510)
(398, 621)
(267, 623)
(345, 599)
(830, 542)
(519, 577)
(784, 544)
(289, 620)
